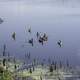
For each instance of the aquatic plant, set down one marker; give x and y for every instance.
(4, 48)
(15, 67)
(8, 57)
(33, 67)
(30, 70)
(55, 65)
(60, 64)
(51, 68)
(1, 69)
(4, 62)
(6, 75)
(67, 64)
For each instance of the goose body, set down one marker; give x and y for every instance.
(14, 35)
(59, 43)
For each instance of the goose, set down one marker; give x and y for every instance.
(1, 21)
(45, 38)
(31, 41)
(14, 35)
(29, 30)
(41, 40)
(59, 43)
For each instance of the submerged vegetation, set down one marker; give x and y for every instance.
(14, 69)
(5, 74)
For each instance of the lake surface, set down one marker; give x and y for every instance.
(59, 22)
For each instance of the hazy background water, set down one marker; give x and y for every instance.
(61, 21)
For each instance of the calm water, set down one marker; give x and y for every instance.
(59, 22)
(73, 78)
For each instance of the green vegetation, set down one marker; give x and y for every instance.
(51, 68)
(5, 74)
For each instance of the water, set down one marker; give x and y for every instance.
(58, 21)
(72, 78)
(24, 78)
(28, 78)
